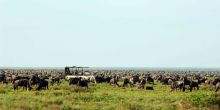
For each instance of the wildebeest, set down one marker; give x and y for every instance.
(8, 79)
(216, 83)
(149, 88)
(178, 84)
(43, 84)
(108, 79)
(164, 81)
(142, 83)
(114, 81)
(78, 81)
(2, 77)
(126, 82)
(34, 79)
(83, 83)
(193, 84)
(216, 80)
(150, 80)
(135, 79)
(22, 83)
(74, 81)
(99, 79)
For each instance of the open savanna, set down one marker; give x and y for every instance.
(107, 97)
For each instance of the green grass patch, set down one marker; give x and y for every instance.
(107, 97)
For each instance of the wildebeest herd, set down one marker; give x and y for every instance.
(181, 80)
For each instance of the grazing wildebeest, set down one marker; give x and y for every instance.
(83, 83)
(74, 81)
(99, 79)
(178, 84)
(6, 80)
(193, 84)
(22, 83)
(35, 80)
(43, 84)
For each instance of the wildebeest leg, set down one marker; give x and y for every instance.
(27, 87)
(216, 90)
(116, 85)
(191, 88)
(52, 83)
(184, 88)
(131, 85)
(141, 87)
(39, 88)
(47, 87)
(172, 88)
(15, 87)
(125, 84)
(180, 87)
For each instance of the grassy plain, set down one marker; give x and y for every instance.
(107, 97)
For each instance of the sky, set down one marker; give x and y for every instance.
(110, 33)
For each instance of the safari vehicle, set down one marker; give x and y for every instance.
(74, 71)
